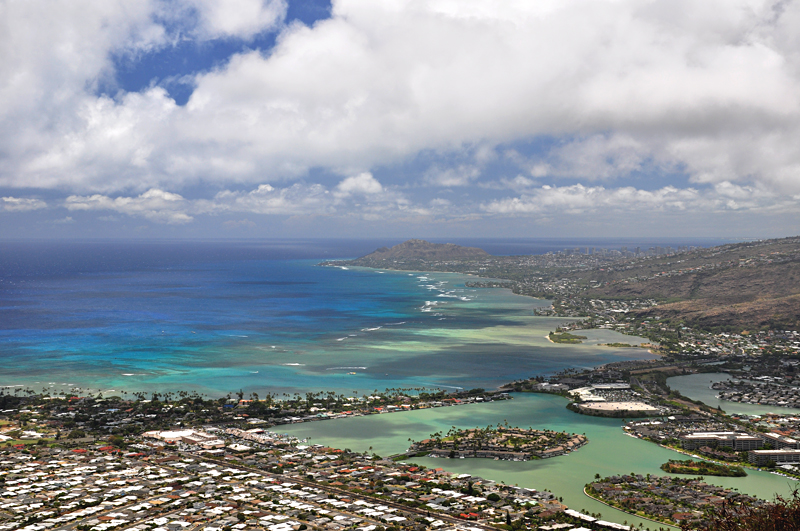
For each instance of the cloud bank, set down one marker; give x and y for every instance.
(623, 89)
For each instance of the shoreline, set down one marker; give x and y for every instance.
(703, 458)
(496, 473)
(296, 379)
(626, 512)
(651, 349)
(400, 410)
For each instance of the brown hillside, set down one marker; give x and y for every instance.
(781, 313)
(752, 293)
(724, 286)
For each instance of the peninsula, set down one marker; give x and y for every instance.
(737, 286)
(413, 253)
(666, 499)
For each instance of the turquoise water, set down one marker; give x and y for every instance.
(224, 318)
(218, 322)
(609, 451)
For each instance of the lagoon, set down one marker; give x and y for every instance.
(610, 450)
(698, 387)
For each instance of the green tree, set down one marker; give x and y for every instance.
(781, 515)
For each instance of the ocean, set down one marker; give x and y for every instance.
(262, 316)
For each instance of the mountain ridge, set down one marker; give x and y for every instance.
(416, 249)
(737, 286)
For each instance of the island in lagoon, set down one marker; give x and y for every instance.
(565, 337)
(502, 442)
(702, 468)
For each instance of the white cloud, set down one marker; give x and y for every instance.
(711, 88)
(461, 175)
(597, 157)
(238, 18)
(56, 132)
(21, 204)
(518, 183)
(582, 200)
(365, 201)
(54, 54)
(155, 205)
(296, 199)
(363, 183)
(360, 196)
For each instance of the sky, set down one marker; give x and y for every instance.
(399, 118)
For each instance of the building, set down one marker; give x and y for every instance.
(779, 441)
(738, 441)
(552, 387)
(193, 437)
(779, 457)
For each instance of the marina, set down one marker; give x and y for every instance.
(610, 451)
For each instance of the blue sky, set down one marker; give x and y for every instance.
(169, 65)
(268, 118)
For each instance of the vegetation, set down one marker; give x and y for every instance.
(666, 499)
(781, 515)
(566, 337)
(610, 413)
(503, 442)
(94, 416)
(702, 468)
(419, 250)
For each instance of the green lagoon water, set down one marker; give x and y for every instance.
(609, 451)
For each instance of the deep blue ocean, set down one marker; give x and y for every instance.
(217, 317)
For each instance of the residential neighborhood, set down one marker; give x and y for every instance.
(171, 481)
(665, 499)
(502, 442)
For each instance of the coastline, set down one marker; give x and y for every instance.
(293, 354)
(627, 512)
(452, 340)
(564, 353)
(703, 458)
